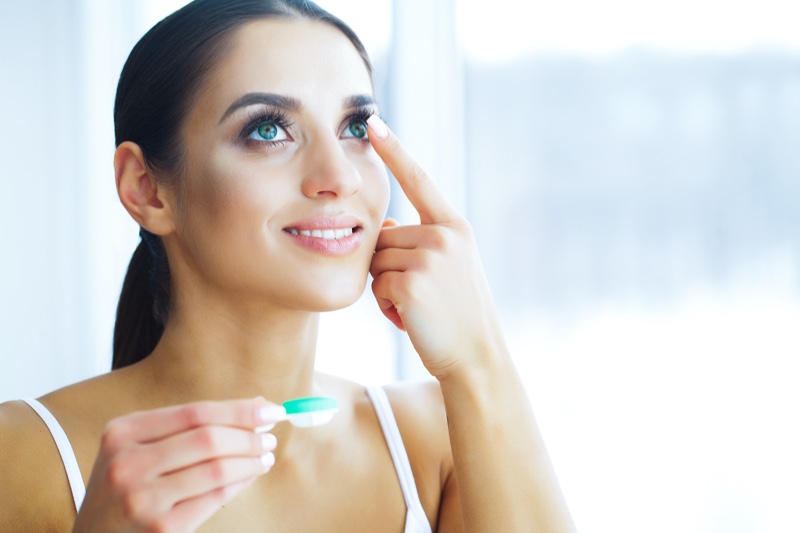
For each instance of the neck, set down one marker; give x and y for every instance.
(216, 355)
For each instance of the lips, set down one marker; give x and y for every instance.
(337, 235)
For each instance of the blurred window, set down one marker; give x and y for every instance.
(633, 177)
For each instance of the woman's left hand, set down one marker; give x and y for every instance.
(428, 278)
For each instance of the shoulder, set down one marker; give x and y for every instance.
(422, 420)
(34, 492)
(418, 407)
(421, 417)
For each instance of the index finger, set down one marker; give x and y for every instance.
(426, 198)
(156, 424)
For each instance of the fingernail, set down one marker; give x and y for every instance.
(268, 442)
(378, 126)
(267, 460)
(269, 414)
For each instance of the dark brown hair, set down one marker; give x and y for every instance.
(159, 83)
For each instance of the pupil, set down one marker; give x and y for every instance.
(358, 129)
(268, 131)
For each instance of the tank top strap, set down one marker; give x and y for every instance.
(64, 449)
(416, 520)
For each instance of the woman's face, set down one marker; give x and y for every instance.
(283, 196)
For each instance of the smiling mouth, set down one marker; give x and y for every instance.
(328, 234)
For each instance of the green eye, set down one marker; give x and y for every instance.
(358, 128)
(267, 131)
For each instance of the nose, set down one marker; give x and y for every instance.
(329, 172)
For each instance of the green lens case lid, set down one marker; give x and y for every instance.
(311, 411)
(311, 404)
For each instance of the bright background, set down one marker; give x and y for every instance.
(632, 171)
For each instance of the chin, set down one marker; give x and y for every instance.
(340, 301)
(331, 296)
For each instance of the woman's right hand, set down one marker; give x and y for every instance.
(170, 469)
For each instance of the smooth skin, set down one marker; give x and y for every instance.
(168, 444)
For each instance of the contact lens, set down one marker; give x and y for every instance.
(358, 129)
(268, 131)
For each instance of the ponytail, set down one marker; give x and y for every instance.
(144, 303)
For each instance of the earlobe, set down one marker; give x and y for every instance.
(144, 199)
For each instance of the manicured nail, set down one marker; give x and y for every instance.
(270, 413)
(267, 460)
(268, 442)
(378, 126)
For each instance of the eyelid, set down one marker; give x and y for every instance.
(264, 115)
(360, 114)
(252, 136)
(259, 115)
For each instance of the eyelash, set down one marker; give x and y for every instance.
(281, 120)
(360, 115)
(271, 116)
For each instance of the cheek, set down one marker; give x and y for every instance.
(228, 191)
(376, 184)
(213, 199)
(215, 196)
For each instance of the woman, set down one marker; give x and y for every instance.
(250, 152)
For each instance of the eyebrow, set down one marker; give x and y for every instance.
(290, 104)
(359, 100)
(270, 99)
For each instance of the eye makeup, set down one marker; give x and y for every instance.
(263, 116)
(354, 125)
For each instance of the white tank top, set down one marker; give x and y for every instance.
(416, 521)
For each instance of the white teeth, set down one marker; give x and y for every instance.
(328, 234)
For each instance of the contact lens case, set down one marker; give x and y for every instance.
(311, 411)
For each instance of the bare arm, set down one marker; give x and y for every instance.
(505, 476)
(429, 281)
(34, 492)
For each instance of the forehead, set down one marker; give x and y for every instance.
(308, 60)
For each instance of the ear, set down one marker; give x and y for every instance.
(149, 203)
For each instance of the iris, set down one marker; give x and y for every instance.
(358, 128)
(267, 131)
